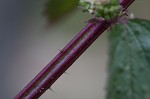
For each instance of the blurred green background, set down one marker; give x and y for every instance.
(28, 43)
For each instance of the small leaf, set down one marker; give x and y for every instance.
(55, 9)
(129, 65)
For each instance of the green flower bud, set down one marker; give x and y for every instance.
(106, 9)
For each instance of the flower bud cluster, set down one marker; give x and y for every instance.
(106, 9)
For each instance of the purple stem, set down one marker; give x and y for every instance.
(65, 58)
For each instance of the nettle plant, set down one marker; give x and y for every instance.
(129, 61)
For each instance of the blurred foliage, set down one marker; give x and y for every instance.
(56, 9)
(129, 67)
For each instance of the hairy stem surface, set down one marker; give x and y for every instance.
(65, 58)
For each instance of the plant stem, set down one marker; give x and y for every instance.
(126, 3)
(65, 58)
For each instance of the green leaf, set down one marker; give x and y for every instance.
(129, 63)
(56, 9)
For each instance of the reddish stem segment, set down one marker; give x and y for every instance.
(126, 3)
(65, 58)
